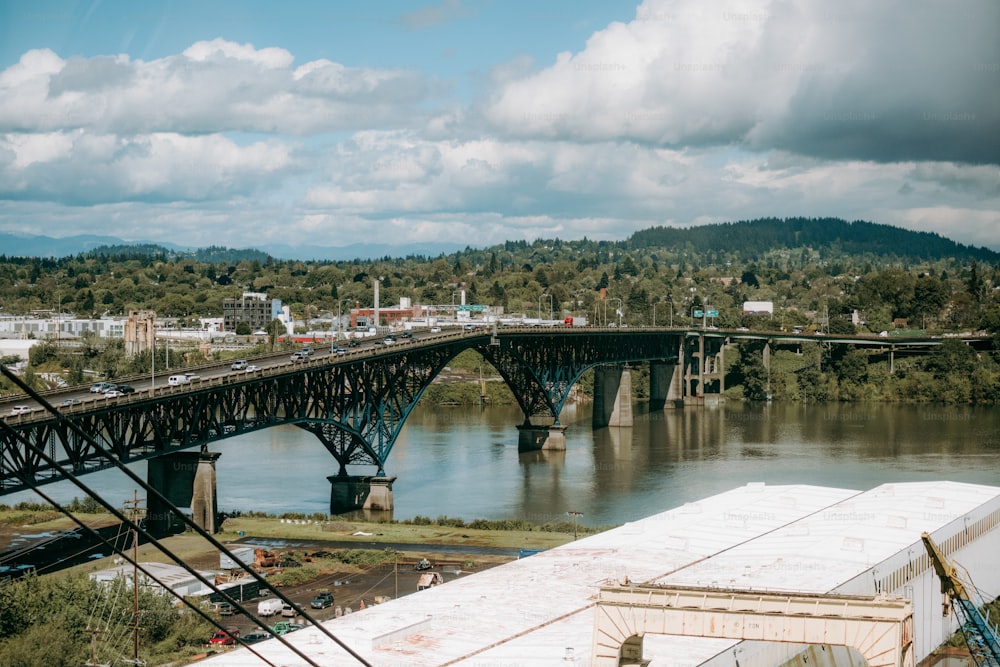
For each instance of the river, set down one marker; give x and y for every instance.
(463, 462)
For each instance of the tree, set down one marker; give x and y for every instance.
(749, 371)
(952, 357)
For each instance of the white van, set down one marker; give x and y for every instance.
(175, 380)
(271, 607)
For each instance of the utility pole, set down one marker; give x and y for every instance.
(575, 516)
(133, 511)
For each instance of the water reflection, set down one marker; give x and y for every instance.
(465, 463)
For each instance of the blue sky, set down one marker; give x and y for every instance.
(332, 123)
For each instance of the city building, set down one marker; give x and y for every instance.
(253, 308)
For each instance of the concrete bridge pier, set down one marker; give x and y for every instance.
(704, 371)
(612, 396)
(360, 492)
(533, 438)
(666, 385)
(186, 479)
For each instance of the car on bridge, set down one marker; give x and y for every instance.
(252, 368)
(113, 393)
(239, 365)
(338, 350)
(101, 387)
(69, 402)
(125, 388)
(20, 410)
(298, 356)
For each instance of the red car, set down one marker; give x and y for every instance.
(225, 637)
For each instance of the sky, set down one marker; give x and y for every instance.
(245, 123)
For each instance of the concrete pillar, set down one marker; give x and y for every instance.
(360, 492)
(187, 480)
(532, 438)
(612, 396)
(660, 377)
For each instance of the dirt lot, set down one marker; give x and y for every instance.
(455, 553)
(353, 585)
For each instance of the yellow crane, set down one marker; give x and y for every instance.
(980, 637)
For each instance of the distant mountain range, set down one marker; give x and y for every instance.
(749, 239)
(18, 245)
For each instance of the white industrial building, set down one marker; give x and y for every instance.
(542, 610)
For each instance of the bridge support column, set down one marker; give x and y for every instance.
(186, 479)
(357, 492)
(666, 385)
(612, 396)
(532, 438)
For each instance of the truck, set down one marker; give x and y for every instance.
(576, 321)
(270, 607)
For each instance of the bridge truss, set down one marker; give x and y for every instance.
(355, 405)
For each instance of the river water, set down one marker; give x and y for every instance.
(463, 462)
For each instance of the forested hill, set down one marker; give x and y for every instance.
(752, 239)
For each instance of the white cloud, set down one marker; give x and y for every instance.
(886, 81)
(88, 168)
(213, 86)
(687, 114)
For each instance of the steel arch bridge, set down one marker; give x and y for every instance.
(355, 404)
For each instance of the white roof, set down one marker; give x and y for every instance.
(539, 610)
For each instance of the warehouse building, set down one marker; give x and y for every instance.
(795, 539)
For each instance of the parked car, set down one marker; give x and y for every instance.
(322, 600)
(226, 609)
(271, 607)
(257, 635)
(20, 410)
(288, 611)
(423, 564)
(225, 637)
(284, 627)
(239, 365)
(125, 388)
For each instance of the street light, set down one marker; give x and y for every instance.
(540, 306)
(618, 310)
(340, 317)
